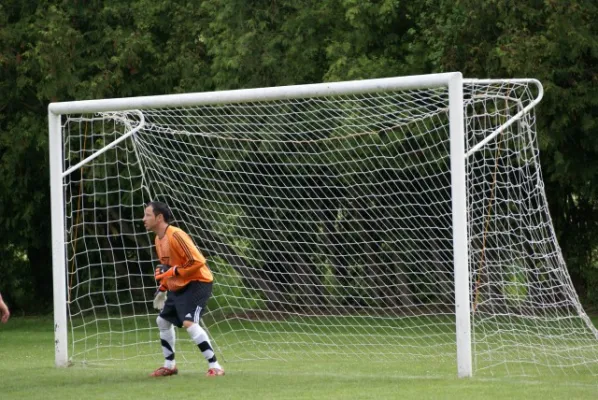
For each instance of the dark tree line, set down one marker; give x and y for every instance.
(65, 50)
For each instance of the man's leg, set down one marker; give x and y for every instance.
(167, 340)
(201, 339)
(189, 311)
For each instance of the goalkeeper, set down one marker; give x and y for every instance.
(185, 276)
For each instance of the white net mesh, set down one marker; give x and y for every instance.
(526, 314)
(327, 223)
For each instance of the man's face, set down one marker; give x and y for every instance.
(149, 219)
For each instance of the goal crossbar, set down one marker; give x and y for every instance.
(261, 94)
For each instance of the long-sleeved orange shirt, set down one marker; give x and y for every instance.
(178, 250)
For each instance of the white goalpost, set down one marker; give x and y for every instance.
(398, 219)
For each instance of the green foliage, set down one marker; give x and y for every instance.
(53, 51)
(557, 43)
(64, 50)
(516, 287)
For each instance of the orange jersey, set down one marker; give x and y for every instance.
(178, 250)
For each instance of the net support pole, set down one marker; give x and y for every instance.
(58, 241)
(459, 207)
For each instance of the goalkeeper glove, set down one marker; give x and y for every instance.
(164, 272)
(160, 298)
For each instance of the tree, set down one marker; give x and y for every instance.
(557, 43)
(65, 50)
(58, 52)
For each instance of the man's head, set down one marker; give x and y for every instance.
(157, 216)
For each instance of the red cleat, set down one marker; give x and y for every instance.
(215, 372)
(163, 371)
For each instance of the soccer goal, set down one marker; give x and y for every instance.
(402, 220)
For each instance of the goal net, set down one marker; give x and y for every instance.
(326, 214)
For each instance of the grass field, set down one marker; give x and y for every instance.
(28, 372)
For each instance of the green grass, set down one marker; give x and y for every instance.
(28, 372)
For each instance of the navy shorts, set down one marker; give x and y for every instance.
(187, 304)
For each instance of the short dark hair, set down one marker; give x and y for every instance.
(161, 208)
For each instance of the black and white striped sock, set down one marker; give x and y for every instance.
(167, 340)
(201, 339)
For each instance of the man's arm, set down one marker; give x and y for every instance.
(4, 312)
(187, 250)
